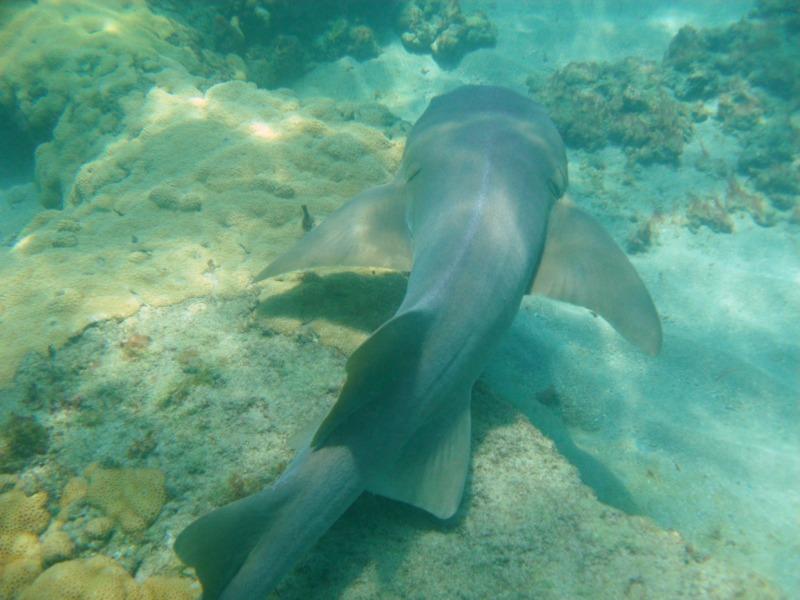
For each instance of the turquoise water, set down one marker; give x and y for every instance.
(157, 155)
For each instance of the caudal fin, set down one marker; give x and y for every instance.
(218, 544)
(241, 551)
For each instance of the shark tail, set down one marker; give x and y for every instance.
(430, 469)
(218, 544)
(242, 550)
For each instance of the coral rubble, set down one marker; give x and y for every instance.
(440, 28)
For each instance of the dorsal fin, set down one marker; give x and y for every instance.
(380, 363)
(368, 231)
(582, 265)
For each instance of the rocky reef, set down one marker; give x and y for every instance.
(750, 70)
(280, 40)
(144, 380)
(66, 100)
(159, 143)
(204, 180)
(440, 28)
(72, 70)
(279, 357)
(625, 103)
(744, 76)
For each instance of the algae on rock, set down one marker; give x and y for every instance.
(231, 156)
(71, 94)
(751, 69)
(626, 103)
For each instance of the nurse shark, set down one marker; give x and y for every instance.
(477, 213)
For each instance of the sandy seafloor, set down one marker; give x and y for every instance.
(690, 461)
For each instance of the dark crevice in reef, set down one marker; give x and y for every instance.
(16, 151)
(281, 40)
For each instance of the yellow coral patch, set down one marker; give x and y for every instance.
(22, 518)
(240, 161)
(56, 545)
(101, 577)
(96, 577)
(73, 493)
(20, 513)
(98, 528)
(20, 562)
(170, 588)
(132, 497)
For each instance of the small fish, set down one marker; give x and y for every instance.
(308, 221)
(477, 213)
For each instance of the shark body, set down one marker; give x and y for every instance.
(476, 212)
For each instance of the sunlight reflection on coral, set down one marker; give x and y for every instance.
(112, 27)
(198, 101)
(670, 22)
(23, 243)
(263, 130)
(165, 107)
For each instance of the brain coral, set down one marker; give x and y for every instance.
(70, 68)
(132, 497)
(245, 157)
(102, 578)
(20, 513)
(20, 562)
(21, 519)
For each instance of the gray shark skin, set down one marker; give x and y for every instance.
(476, 212)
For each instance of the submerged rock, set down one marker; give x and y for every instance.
(71, 71)
(440, 28)
(752, 70)
(626, 103)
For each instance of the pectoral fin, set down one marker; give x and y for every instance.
(432, 469)
(369, 231)
(582, 265)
